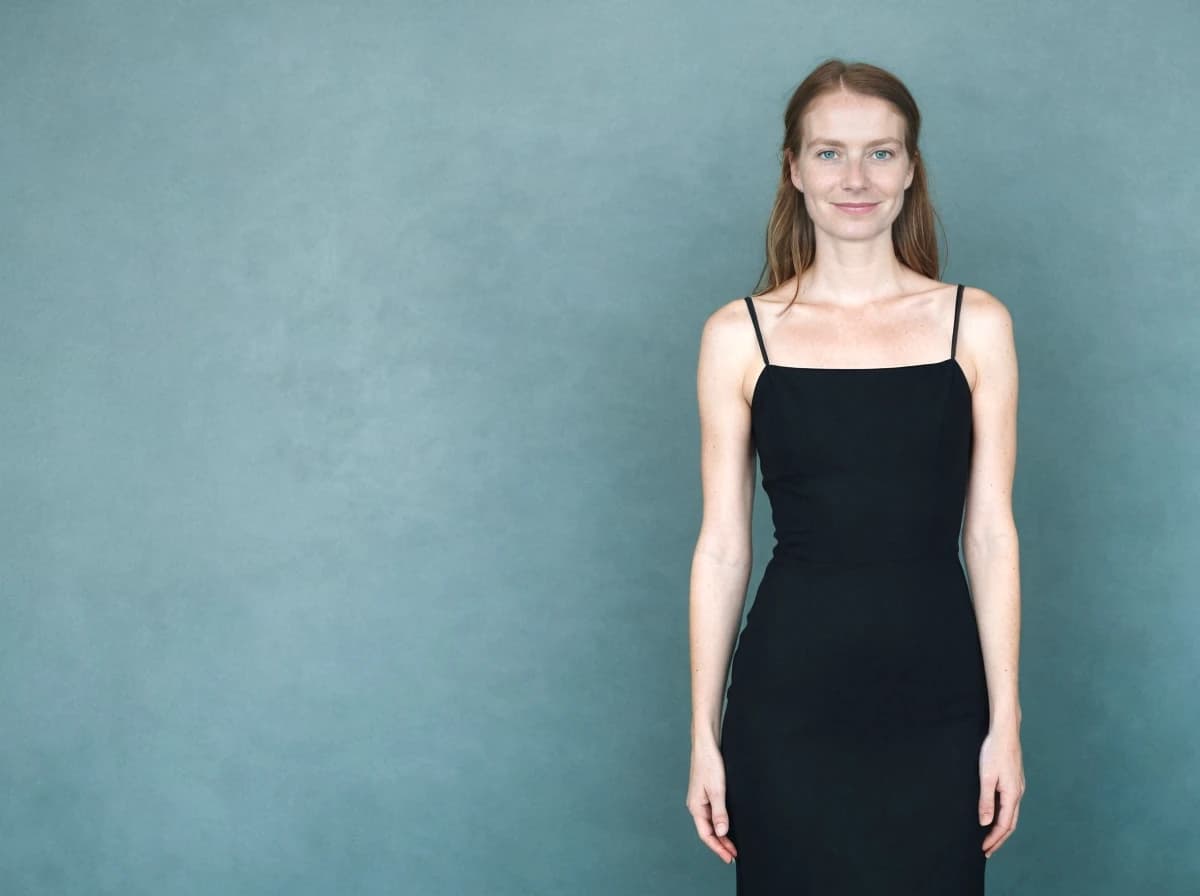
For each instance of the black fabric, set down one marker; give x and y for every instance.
(857, 702)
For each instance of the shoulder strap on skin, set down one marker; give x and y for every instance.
(957, 306)
(757, 332)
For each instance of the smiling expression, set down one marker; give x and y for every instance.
(853, 167)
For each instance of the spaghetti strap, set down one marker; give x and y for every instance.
(957, 306)
(757, 332)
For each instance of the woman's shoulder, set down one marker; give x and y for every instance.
(987, 316)
(985, 335)
(728, 329)
(730, 315)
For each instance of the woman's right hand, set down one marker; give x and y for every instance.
(706, 801)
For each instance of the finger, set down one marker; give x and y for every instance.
(1004, 822)
(1012, 827)
(995, 846)
(704, 830)
(729, 845)
(718, 845)
(720, 819)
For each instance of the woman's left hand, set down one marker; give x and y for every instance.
(1000, 771)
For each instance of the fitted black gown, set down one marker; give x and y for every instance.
(857, 701)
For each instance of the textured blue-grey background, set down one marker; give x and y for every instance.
(350, 472)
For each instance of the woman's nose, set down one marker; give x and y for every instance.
(853, 176)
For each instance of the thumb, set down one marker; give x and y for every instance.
(720, 817)
(987, 801)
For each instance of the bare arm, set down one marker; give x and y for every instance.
(722, 558)
(990, 544)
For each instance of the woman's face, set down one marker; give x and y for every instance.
(853, 153)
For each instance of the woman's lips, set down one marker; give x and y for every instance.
(856, 208)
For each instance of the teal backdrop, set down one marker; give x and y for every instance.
(350, 457)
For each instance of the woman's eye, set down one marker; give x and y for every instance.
(821, 153)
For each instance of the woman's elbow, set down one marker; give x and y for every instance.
(990, 535)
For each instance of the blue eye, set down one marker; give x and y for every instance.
(821, 153)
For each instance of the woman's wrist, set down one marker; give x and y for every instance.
(705, 737)
(1006, 718)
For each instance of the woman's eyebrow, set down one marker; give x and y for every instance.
(840, 143)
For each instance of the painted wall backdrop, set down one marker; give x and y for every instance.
(350, 461)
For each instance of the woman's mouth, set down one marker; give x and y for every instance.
(856, 208)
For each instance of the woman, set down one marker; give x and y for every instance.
(871, 739)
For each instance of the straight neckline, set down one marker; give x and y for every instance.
(962, 376)
(860, 369)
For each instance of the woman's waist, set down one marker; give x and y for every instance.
(866, 553)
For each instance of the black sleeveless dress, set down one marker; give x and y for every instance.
(857, 701)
